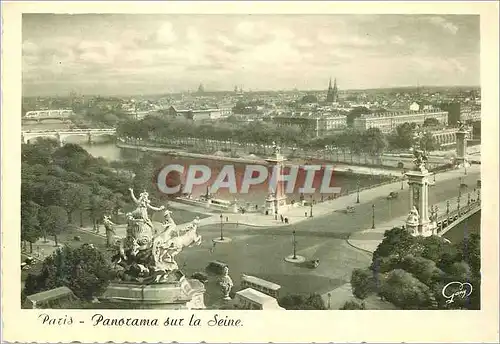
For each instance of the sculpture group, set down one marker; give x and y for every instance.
(147, 254)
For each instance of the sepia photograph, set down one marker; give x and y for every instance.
(251, 162)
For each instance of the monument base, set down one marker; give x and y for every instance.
(424, 230)
(182, 294)
(223, 240)
(297, 259)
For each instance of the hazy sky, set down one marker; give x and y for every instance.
(128, 54)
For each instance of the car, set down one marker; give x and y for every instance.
(313, 264)
(392, 195)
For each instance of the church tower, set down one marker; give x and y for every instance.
(332, 95)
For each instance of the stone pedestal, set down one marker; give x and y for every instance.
(181, 293)
(461, 159)
(419, 198)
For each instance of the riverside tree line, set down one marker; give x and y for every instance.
(371, 141)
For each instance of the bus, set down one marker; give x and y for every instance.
(266, 287)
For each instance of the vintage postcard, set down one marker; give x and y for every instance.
(250, 172)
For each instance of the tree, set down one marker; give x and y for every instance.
(53, 220)
(374, 142)
(84, 270)
(353, 305)
(75, 197)
(302, 302)
(39, 152)
(402, 138)
(469, 251)
(428, 142)
(436, 247)
(405, 291)
(363, 283)
(72, 157)
(397, 242)
(423, 269)
(30, 230)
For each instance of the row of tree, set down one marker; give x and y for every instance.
(372, 141)
(411, 272)
(61, 183)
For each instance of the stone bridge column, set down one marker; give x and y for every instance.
(461, 159)
(59, 138)
(419, 198)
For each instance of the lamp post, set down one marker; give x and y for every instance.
(357, 195)
(294, 244)
(311, 211)
(434, 177)
(447, 211)
(465, 169)
(329, 300)
(373, 216)
(458, 205)
(468, 198)
(402, 179)
(221, 223)
(479, 195)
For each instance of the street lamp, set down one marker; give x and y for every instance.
(221, 223)
(294, 244)
(465, 169)
(434, 177)
(458, 205)
(357, 195)
(373, 216)
(402, 179)
(329, 300)
(468, 198)
(447, 211)
(479, 195)
(311, 211)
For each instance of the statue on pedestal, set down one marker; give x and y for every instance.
(110, 230)
(413, 220)
(147, 254)
(461, 126)
(226, 284)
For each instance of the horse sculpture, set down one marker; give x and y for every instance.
(147, 254)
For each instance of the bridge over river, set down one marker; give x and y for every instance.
(61, 134)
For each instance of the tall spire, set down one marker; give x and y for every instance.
(334, 83)
(330, 84)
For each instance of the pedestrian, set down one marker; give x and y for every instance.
(227, 219)
(286, 220)
(281, 216)
(305, 214)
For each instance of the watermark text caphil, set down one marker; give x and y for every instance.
(252, 176)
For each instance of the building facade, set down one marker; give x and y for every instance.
(313, 125)
(388, 121)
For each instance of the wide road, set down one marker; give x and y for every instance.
(260, 251)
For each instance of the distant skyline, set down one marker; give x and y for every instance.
(151, 54)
